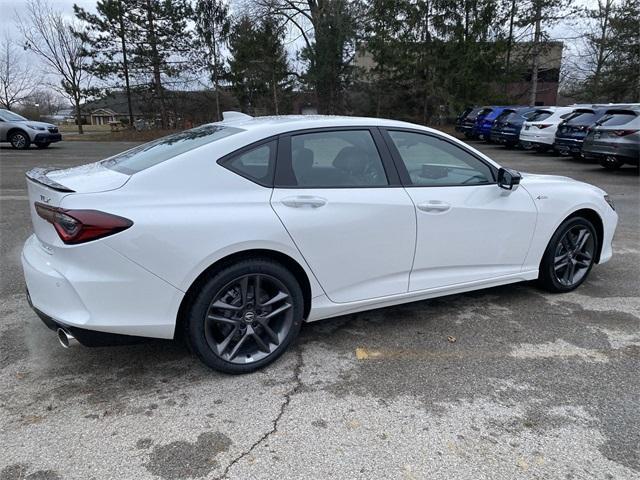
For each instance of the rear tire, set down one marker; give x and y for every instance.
(611, 162)
(245, 316)
(569, 257)
(19, 140)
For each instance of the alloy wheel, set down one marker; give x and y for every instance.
(248, 318)
(18, 141)
(574, 255)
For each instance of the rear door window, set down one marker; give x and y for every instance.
(332, 159)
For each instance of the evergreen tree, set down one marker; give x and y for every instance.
(161, 42)
(258, 68)
(212, 29)
(107, 39)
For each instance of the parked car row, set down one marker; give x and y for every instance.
(609, 134)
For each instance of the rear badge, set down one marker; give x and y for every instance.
(45, 199)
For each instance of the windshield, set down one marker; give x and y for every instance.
(619, 118)
(152, 153)
(8, 116)
(540, 115)
(581, 118)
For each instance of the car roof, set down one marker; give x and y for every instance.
(275, 125)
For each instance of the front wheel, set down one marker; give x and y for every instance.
(569, 256)
(245, 316)
(19, 140)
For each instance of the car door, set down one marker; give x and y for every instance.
(469, 229)
(339, 196)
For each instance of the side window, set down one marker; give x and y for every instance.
(256, 164)
(347, 158)
(431, 161)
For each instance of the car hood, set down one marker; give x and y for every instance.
(37, 124)
(534, 181)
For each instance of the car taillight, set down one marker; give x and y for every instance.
(623, 133)
(543, 125)
(79, 226)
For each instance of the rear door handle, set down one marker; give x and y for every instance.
(302, 201)
(434, 206)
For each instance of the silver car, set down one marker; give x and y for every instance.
(615, 139)
(21, 133)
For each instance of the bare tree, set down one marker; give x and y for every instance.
(18, 79)
(49, 35)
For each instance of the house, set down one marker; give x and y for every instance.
(104, 116)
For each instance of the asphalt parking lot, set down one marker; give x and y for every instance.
(534, 386)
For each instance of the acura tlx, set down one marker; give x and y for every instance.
(232, 234)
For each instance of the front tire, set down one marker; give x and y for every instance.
(245, 316)
(569, 257)
(19, 140)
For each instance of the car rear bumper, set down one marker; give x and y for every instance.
(504, 137)
(568, 145)
(92, 287)
(529, 138)
(47, 138)
(630, 153)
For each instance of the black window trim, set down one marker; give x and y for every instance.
(225, 160)
(404, 173)
(284, 158)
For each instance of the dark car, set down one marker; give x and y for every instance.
(506, 127)
(573, 130)
(460, 118)
(466, 124)
(484, 122)
(615, 139)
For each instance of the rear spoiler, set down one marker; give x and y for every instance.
(39, 175)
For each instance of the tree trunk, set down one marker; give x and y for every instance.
(507, 68)
(216, 86)
(602, 47)
(535, 67)
(78, 114)
(155, 59)
(125, 63)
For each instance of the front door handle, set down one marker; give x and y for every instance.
(434, 206)
(302, 201)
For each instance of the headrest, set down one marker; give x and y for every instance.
(303, 158)
(351, 159)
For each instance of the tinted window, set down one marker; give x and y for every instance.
(334, 159)
(8, 116)
(431, 161)
(152, 153)
(255, 164)
(614, 119)
(540, 115)
(581, 118)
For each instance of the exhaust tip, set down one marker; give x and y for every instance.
(65, 338)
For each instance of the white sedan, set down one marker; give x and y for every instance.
(233, 234)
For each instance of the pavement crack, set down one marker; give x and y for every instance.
(297, 384)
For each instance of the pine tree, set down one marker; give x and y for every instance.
(212, 29)
(107, 38)
(161, 42)
(258, 68)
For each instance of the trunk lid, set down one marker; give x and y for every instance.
(50, 186)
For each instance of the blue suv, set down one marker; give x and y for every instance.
(484, 122)
(506, 127)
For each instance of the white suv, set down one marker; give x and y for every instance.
(539, 131)
(21, 133)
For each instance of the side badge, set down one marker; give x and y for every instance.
(541, 197)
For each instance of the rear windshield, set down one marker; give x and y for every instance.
(581, 118)
(152, 153)
(540, 115)
(504, 116)
(613, 119)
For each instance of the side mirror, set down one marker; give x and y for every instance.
(508, 179)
